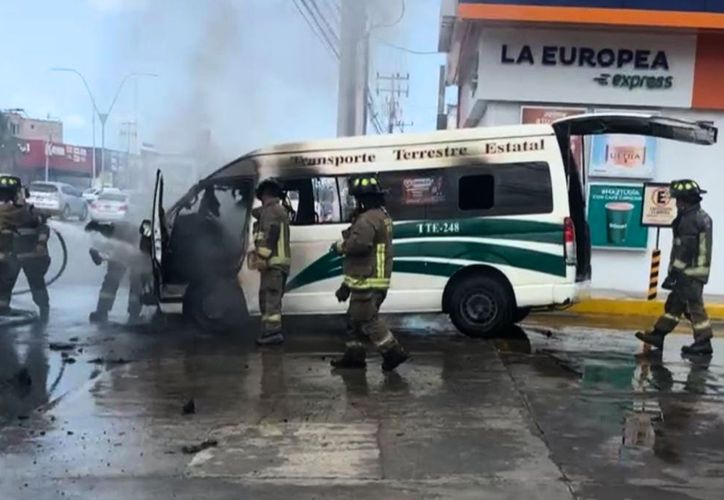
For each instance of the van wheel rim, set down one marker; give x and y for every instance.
(480, 308)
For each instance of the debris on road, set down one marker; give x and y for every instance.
(195, 448)
(189, 408)
(61, 346)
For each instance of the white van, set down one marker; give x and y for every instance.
(488, 222)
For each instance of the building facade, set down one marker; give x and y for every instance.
(33, 129)
(533, 61)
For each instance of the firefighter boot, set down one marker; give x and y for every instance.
(393, 358)
(353, 358)
(653, 338)
(44, 314)
(98, 317)
(698, 348)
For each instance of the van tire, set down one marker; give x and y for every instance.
(520, 314)
(216, 305)
(483, 295)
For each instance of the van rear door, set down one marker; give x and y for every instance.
(703, 133)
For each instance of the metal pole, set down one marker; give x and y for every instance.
(103, 118)
(93, 178)
(47, 158)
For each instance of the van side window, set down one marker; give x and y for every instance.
(317, 200)
(476, 192)
(416, 194)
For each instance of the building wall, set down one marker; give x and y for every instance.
(627, 271)
(34, 129)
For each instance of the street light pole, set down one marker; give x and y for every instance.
(103, 117)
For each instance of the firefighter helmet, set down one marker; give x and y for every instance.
(10, 187)
(686, 188)
(365, 185)
(270, 184)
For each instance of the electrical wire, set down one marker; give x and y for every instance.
(323, 18)
(314, 30)
(392, 25)
(410, 51)
(318, 23)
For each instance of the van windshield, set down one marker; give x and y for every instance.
(41, 187)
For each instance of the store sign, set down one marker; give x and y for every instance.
(575, 66)
(659, 208)
(62, 157)
(614, 217)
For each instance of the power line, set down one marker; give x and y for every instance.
(319, 35)
(410, 51)
(324, 20)
(395, 23)
(330, 43)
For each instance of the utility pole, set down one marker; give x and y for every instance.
(441, 113)
(353, 67)
(397, 86)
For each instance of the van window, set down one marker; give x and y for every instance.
(476, 192)
(473, 190)
(318, 200)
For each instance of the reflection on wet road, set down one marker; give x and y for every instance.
(553, 412)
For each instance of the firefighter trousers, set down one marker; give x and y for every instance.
(686, 299)
(34, 269)
(364, 322)
(112, 280)
(271, 292)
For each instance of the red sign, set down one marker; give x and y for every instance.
(60, 157)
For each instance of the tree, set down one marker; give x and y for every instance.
(8, 145)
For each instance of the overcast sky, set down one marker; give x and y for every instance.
(251, 71)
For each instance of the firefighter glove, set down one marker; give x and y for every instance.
(342, 293)
(336, 248)
(95, 256)
(670, 281)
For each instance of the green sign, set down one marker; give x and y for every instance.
(614, 216)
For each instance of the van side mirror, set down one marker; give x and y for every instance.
(145, 228)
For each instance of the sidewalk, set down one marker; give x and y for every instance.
(613, 302)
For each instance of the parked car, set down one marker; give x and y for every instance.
(110, 205)
(58, 199)
(91, 194)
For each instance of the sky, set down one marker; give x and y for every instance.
(251, 72)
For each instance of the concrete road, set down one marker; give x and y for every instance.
(562, 409)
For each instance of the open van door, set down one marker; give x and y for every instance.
(614, 123)
(637, 124)
(157, 236)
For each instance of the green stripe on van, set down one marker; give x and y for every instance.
(330, 265)
(507, 229)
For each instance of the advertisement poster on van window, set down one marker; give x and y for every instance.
(427, 190)
(622, 156)
(545, 115)
(659, 207)
(614, 216)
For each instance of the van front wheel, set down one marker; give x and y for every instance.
(216, 305)
(481, 306)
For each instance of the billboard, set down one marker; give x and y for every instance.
(60, 157)
(614, 216)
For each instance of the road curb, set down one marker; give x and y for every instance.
(634, 307)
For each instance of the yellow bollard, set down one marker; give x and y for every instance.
(654, 276)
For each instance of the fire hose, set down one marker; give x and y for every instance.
(63, 265)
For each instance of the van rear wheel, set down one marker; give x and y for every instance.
(520, 314)
(482, 306)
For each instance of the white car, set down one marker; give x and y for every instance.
(111, 205)
(91, 194)
(57, 198)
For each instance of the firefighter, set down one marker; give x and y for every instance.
(367, 252)
(271, 257)
(23, 245)
(120, 249)
(689, 266)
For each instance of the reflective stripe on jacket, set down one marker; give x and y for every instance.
(367, 250)
(271, 236)
(691, 250)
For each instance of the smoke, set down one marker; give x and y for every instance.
(234, 75)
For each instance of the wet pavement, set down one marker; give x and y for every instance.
(561, 409)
